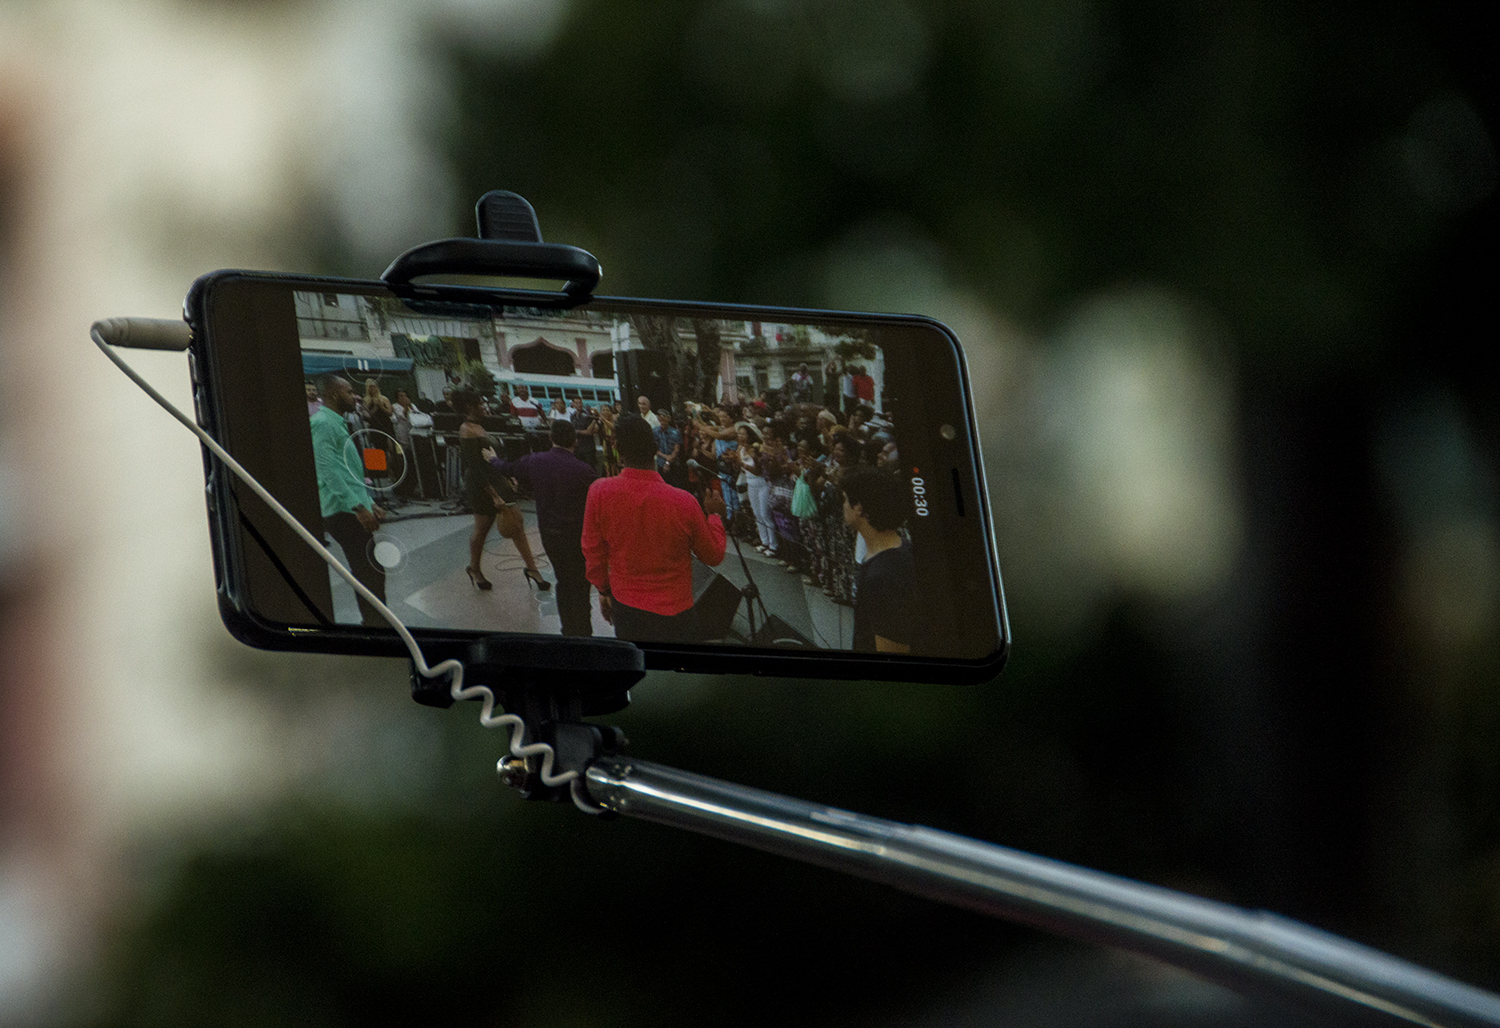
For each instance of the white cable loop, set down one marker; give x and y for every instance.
(457, 689)
(581, 798)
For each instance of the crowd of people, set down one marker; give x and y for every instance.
(774, 472)
(780, 471)
(776, 462)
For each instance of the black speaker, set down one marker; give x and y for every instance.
(716, 605)
(776, 632)
(643, 373)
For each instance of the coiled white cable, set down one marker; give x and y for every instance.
(167, 335)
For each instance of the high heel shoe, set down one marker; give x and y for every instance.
(478, 580)
(536, 577)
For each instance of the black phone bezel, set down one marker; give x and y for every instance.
(246, 536)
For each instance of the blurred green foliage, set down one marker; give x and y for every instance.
(1311, 175)
(1242, 154)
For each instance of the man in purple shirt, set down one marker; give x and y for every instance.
(560, 482)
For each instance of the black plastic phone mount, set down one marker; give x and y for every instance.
(580, 676)
(509, 244)
(550, 682)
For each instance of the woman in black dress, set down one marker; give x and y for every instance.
(490, 495)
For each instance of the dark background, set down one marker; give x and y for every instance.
(1314, 733)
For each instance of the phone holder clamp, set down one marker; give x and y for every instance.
(509, 244)
(551, 684)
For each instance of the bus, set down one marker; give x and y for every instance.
(546, 388)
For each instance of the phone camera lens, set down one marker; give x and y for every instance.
(948, 432)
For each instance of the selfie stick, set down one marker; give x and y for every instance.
(549, 685)
(1251, 951)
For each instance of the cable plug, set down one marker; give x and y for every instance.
(145, 333)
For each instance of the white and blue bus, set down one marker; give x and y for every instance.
(546, 388)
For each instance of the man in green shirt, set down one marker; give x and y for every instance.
(350, 517)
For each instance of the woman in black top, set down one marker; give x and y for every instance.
(490, 495)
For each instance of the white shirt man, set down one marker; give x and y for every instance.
(525, 408)
(643, 404)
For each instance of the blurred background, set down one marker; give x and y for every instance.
(1226, 278)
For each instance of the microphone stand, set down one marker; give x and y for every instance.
(751, 592)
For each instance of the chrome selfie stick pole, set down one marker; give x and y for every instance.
(1244, 949)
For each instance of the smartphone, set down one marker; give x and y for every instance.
(416, 432)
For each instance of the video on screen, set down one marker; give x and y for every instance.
(598, 472)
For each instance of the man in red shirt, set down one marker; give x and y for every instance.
(639, 537)
(864, 386)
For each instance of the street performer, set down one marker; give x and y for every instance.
(639, 537)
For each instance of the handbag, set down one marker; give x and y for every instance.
(512, 522)
(803, 503)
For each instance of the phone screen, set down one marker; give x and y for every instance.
(730, 480)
